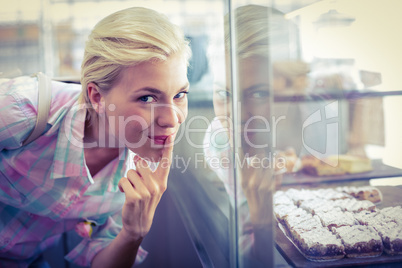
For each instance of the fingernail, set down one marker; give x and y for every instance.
(136, 158)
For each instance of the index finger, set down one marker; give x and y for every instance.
(166, 159)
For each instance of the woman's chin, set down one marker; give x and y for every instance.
(152, 155)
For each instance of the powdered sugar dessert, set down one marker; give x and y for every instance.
(391, 235)
(329, 224)
(320, 244)
(353, 205)
(369, 193)
(359, 240)
(336, 218)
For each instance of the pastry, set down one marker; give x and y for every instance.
(331, 194)
(280, 198)
(314, 206)
(393, 214)
(319, 244)
(315, 167)
(336, 218)
(353, 205)
(281, 211)
(391, 235)
(370, 193)
(335, 165)
(328, 224)
(352, 164)
(299, 196)
(359, 240)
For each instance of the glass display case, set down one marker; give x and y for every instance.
(294, 116)
(304, 112)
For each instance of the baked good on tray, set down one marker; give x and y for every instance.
(369, 193)
(280, 198)
(329, 224)
(299, 196)
(393, 214)
(315, 167)
(336, 218)
(300, 219)
(281, 211)
(359, 240)
(330, 194)
(314, 206)
(353, 205)
(335, 165)
(319, 244)
(391, 236)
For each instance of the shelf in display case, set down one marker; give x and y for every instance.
(334, 95)
(204, 99)
(380, 170)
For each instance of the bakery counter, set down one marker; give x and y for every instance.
(345, 243)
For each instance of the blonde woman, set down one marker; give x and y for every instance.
(94, 167)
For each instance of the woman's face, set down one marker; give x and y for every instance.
(147, 105)
(253, 103)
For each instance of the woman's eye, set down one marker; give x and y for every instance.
(223, 94)
(259, 94)
(181, 95)
(146, 99)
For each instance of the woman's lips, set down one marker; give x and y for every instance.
(159, 139)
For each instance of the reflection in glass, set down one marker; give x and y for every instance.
(240, 136)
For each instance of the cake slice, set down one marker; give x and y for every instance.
(393, 213)
(280, 198)
(314, 206)
(336, 218)
(308, 224)
(352, 164)
(315, 167)
(371, 218)
(295, 217)
(281, 211)
(331, 194)
(359, 240)
(370, 193)
(335, 165)
(319, 244)
(299, 195)
(354, 205)
(391, 235)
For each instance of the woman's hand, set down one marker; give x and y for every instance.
(259, 179)
(144, 189)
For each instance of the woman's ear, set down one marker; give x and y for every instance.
(95, 97)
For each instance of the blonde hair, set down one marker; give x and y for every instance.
(127, 38)
(259, 31)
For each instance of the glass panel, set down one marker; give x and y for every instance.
(251, 34)
(335, 102)
(329, 104)
(333, 92)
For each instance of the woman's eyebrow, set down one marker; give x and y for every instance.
(150, 90)
(186, 86)
(257, 86)
(158, 91)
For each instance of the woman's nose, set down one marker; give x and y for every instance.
(246, 111)
(168, 116)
